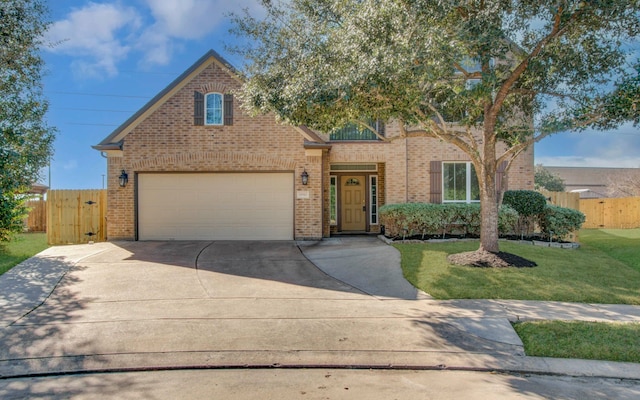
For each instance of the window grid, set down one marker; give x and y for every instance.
(373, 199)
(459, 183)
(213, 109)
(333, 200)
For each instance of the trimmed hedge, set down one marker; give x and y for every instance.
(433, 220)
(427, 219)
(529, 204)
(558, 222)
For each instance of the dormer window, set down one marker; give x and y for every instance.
(213, 106)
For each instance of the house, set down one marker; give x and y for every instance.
(191, 164)
(596, 182)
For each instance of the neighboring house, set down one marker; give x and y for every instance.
(198, 167)
(593, 182)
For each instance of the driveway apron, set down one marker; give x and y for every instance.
(140, 305)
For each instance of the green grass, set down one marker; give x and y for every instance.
(621, 244)
(605, 269)
(586, 340)
(21, 248)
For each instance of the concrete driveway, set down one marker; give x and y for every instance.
(138, 305)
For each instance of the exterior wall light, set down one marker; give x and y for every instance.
(305, 177)
(123, 179)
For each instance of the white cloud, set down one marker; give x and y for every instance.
(179, 20)
(617, 148)
(97, 34)
(70, 165)
(101, 35)
(578, 161)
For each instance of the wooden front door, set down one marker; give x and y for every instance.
(353, 203)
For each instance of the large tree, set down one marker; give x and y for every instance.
(25, 137)
(489, 76)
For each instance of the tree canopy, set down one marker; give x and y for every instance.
(544, 179)
(489, 76)
(622, 104)
(25, 136)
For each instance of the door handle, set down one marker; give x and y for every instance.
(364, 208)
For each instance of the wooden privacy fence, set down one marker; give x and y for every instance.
(563, 199)
(607, 213)
(37, 219)
(614, 213)
(76, 216)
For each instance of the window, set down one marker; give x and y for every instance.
(373, 199)
(333, 200)
(459, 183)
(357, 132)
(213, 109)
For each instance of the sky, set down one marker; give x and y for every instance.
(108, 58)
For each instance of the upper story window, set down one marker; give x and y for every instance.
(213, 109)
(459, 183)
(357, 132)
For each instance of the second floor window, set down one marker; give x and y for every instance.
(358, 132)
(213, 109)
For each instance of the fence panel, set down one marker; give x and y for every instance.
(614, 213)
(76, 216)
(37, 219)
(563, 199)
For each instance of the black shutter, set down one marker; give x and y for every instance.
(228, 109)
(435, 173)
(198, 108)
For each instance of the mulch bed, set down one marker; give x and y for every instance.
(486, 259)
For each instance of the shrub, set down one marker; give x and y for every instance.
(507, 220)
(426, 219)
(557, 222)
(529, 204)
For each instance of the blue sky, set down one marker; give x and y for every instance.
(111, 57)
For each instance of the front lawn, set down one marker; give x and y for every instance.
(578, 339)
(22, 247)
(605, 269)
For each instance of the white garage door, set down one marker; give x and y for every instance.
(215, 206)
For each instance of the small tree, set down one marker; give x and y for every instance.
(25, 137)
(544, 179)
(470, 73)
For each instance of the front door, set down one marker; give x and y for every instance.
(353, 203)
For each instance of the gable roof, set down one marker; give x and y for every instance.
(113, 142)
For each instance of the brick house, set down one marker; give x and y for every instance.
(198, 167)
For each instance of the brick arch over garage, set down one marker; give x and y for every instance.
(209, 161)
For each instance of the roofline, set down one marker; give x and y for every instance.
(122, 129)
(113, 142)
(309, 134)
(108, 146)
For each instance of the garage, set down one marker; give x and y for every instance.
(215, 206)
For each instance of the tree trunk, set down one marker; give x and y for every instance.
(488, 195)
(489, 215)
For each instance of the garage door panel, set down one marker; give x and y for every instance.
(209, 206)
